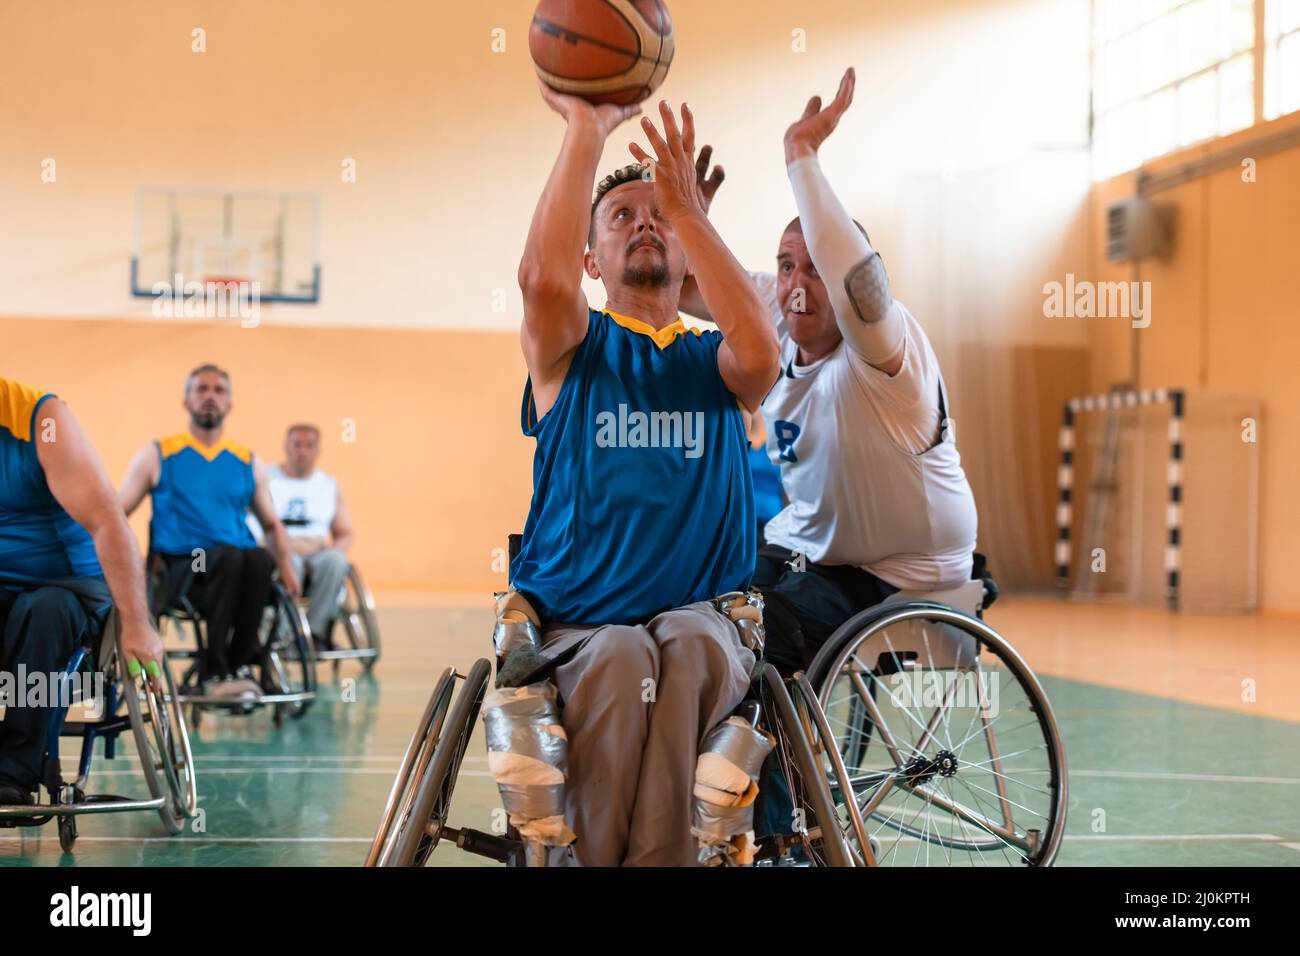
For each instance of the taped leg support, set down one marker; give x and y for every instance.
(726, 786)
(528, 754)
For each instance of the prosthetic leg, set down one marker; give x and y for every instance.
(527, 746)
(731, 757)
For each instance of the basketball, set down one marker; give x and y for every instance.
(606, 51)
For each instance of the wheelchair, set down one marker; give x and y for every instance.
(356, 617)
(287, 670)
(154, 720)
(895, 747)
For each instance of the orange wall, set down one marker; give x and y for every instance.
(964, 154)
(437, 476)
(1226, 319)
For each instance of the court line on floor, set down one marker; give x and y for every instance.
(1104, 774)
(1076, 838)
(1197, 777)
(358, 771)
(199, 840)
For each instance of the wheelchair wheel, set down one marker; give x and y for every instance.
(173, 740)
(155, 743)
(67, 833)
(357, 615)
(414, 762)
(823, 839)
(418, 831)
(952, 754)
(289, 666)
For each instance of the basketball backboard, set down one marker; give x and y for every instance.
(220, 236)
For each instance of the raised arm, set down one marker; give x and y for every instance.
(692, 302)
(79, 483)
(748, 359)
(854, 274)
(550, 273)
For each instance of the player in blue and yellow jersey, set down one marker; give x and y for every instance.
(67, 557)
(203, 487)
(642, 507)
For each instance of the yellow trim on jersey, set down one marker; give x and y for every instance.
(16, 403)
(661, 337)
(176, 443)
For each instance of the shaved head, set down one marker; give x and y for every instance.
(796, 226)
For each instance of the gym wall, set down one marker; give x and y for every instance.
(973, 183)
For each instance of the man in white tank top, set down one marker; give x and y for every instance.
(314, 515)
(857, 422)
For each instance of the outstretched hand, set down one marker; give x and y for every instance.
(673, 163)
(807, 134)
(707, 185)
(604, 118)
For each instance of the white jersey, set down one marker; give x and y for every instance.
(306, 506)
(871, 475)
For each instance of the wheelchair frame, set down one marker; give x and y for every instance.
(357, 616)
(130, 703)
(835, 830)
(293, 703)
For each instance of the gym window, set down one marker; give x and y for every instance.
(1170, 73)
(1281, 58)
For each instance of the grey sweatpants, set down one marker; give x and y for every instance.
(325, 573)
(637, 702)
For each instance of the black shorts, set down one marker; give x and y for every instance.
(804, 608)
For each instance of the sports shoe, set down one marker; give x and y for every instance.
(12, 794)
(231, 688)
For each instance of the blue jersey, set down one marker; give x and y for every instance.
(642, 500)
(202, 497)
(767, 485)
(39, 541)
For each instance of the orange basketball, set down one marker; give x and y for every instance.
(606, 51)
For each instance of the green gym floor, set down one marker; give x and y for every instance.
(1156, 779)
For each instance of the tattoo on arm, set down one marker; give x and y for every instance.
(868, 287)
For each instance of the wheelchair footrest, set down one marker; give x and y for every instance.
(348, 654)
(501, 849)
(237, 703)
(94, 803)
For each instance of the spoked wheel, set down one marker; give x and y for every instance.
(817, 820)
(157, 746)
(414, 763)
(357, 615)
(172, 739)
(289, 665)
(948, 741)
(417, 831)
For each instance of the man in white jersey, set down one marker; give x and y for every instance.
(857, 422)
(311, 508)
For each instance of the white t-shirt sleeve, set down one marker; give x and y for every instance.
(838, 250)
(908, 402)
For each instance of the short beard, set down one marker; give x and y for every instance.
(655, 277)
(206, 419)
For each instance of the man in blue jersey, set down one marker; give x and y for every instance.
(67, 557)
(203, 485)
(642, 507)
